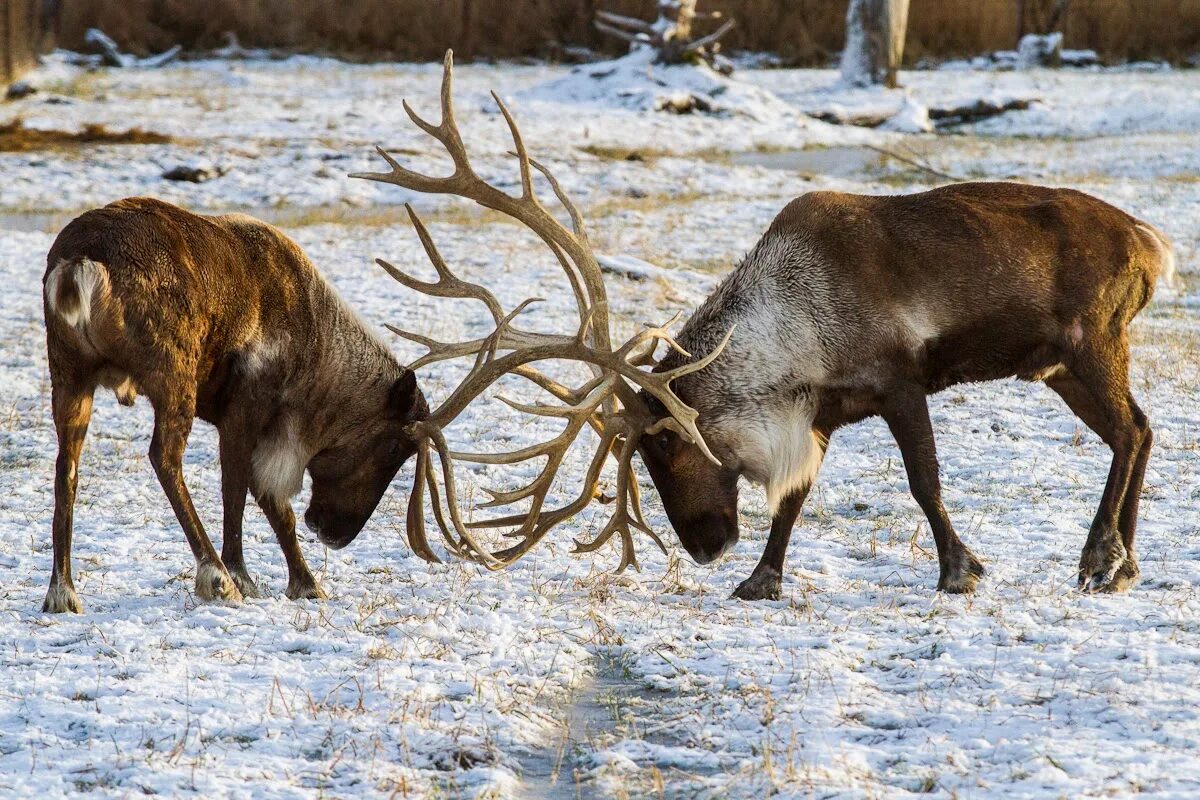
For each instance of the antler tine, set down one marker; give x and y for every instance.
(415, 515)
(659, 333)
(539, 409)
(623, 519)
(479, 552)
(566, 202)
(448, 284)
(548, 520)
(512, 339)
(446, 131)
(449, 125)
(696, 366)
(522, 156)
(553, 387)
(492, 342)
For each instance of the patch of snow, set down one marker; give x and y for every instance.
(913, 117)
(634, 82)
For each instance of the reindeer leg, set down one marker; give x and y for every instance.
(301, 583)
(72, 412)
(907, 416)
(766, 582)
(1097, 390)
(235, 480)
(172, 424)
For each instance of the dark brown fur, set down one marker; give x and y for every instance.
(1009, 279)
(225, 319)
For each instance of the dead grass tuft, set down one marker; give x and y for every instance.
(15, 137)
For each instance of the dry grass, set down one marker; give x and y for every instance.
(800, 31)
(15, 137)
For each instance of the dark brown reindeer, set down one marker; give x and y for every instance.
(853, 306)
(848, 307)
(222, 318)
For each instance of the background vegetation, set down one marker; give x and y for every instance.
(800, 31)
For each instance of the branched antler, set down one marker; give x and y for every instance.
(609, 402)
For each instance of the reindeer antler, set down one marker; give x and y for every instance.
(609, 402)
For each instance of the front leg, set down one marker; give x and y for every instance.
(766, 582)
(301, 583)
(907, 416)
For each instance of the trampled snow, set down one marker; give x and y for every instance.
(430, 681)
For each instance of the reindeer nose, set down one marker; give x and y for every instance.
(709, 537)
(335, 530)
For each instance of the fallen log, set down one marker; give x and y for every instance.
(111, 55)
(949, 116)
(944, 116)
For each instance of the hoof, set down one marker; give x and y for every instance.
(214, 583)
(245, 585)
(962, 575)
(1126, 578)
(305, 589)
(61, 599)
(1102, 567)
(763, 584)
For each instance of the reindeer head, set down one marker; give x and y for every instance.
(350, 477)
(614, 403)
(699, 495)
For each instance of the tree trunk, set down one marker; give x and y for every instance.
(874, 42)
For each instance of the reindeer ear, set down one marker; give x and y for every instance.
(404, 394)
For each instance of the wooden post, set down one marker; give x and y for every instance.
(875, 31)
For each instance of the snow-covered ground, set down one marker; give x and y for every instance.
(419, 680)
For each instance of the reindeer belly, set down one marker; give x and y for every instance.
(992, 350)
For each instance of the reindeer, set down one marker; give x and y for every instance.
(848, 307)
(855, 306)
(225, 319)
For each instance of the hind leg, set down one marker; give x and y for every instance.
(72, 403)
(235, 481)
(172, 424)
(1097, 390)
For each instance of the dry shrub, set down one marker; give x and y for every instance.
(800, 31)
(15, 137)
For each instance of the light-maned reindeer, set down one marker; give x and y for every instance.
(848, 307)
(855, 306)
(222, 318)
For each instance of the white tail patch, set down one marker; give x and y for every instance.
(279, 462)
(1169, 269)
(73, 287)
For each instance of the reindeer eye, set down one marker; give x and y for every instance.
(663, 441)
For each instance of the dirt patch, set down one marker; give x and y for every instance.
(15, 137)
